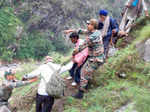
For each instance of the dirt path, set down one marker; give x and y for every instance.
(59, 104)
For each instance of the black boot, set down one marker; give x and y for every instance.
(79, 95)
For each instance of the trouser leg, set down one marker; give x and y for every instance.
(72, 70)
(86, 74)
(39, 101)
(77, 74)
(87, 71)
(106, 47)
(48, 104)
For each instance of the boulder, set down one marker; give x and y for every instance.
(146, 56)
(144, 50)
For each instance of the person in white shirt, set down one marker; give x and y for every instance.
(133, 9)
(44, 102)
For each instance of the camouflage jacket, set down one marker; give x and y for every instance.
(94, 42)
(6, 90)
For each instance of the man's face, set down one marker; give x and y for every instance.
(48, 59)
(102, 18)
(90, 27)
(74, 40)
(10, 77)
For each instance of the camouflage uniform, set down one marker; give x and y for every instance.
(6, 91)
(94, 43)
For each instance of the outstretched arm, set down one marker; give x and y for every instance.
(34, 73)
(21, 83)
(69, 31)
(79, 31)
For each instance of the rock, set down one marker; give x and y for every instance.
(112, 51)
(127, 108)
(122, 75)
(140, 48)
(143, 50)
(146, 56)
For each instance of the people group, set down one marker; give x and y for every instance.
(88, 55)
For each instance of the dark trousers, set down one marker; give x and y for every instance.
(44, 103)
(106, 47)
(75, 72)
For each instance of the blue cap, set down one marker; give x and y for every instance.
(103, 12)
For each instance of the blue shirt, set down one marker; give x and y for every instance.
(113, 25)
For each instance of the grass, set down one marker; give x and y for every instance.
(109, 92)
(113, 92)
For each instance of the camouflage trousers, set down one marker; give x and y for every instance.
(87, 70)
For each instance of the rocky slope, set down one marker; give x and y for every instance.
(54, 16)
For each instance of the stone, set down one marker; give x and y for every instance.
(146, 56)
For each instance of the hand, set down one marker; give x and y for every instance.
(73, 59)
(146, 14)
(33, 80)
(24, 79)
(75, 52)
(122, 33)
(114, 31)
(68, 31)
(128, 6)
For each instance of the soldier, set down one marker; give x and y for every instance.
(7, 87)
(95, 55)
(133, 9)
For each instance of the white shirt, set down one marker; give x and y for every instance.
(45, 71)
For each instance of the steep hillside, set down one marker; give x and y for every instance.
(109, 92)
(125, 94)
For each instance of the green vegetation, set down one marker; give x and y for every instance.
(41, 37)
(108, 92)
(8, 24)
(35, 44)
(112, 92)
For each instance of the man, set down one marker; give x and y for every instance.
(133, 9)
(7, 87)
(96, 54)
(78, 59)
(44, 102)
(108, 26)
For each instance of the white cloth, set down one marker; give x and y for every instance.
(131, 14)
(45, 71)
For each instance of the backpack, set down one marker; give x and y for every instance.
(56, 85)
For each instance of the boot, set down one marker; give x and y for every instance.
(79, 95)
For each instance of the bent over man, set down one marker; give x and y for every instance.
(7, 87)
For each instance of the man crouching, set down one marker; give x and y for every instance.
(7, 87)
